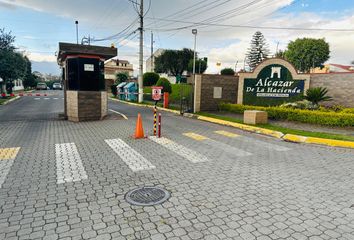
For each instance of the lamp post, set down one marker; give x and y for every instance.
(194, 31)
(77, 31)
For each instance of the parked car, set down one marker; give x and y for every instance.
(57, 86)
(41, 86)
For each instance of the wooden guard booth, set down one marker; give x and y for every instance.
(85, 95)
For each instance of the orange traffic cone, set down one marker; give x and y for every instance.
(139, 131)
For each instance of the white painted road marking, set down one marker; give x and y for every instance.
(212, 143)
(55, 98)
(5, 166)
(46, 98)
(180, 150)
(7, 158)
(268, 145)
(134, 160)
(36, 98)
(227, 148)
(69, 164)
(125, 117)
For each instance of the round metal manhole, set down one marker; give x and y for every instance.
(147, 196)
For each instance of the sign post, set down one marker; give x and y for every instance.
(156, 95)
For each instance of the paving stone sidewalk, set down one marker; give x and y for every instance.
(278, 191)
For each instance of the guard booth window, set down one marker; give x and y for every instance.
(85, 74)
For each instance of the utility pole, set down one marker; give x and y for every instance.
(152, 52)
(141, 49)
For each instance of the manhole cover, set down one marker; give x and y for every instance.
(147, 196)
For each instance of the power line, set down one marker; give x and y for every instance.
(192, 24)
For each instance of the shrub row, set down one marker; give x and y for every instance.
(306, 116)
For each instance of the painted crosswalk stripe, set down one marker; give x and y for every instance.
(69, 164)
(184, 152)
(195, 136)
(134, 160)
(55, 98)
(227, 134)
(36, 98)
(46, 98)
(7, 158)
(212, 143)
(271, 146)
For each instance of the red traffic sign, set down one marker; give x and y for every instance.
(156, 92)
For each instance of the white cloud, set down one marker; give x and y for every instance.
(38, 57)
(223, 44)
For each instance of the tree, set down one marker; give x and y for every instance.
(200, 66)
(150, 78)
(121, 77)
(29, 80)
(258, 50)
(173, 62)
(165, 84)
(307, 53)
(12, 64)
(280, 54)
(6, 40)
(317, 94)
(227, 71)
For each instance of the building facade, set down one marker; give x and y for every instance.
(114, 66)
(150, 62)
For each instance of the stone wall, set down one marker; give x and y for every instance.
(108, 84)
(216, 89)
(340, 86)
(86, 105)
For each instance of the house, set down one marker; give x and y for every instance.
(114, 66)
(334, 68)
(150, 62)
(18, 85)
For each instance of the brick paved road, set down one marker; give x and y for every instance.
(68, 181)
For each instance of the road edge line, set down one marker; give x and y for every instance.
(123, 115)
(10, 100)
(145, 105)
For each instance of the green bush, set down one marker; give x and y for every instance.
(165, 84)
(114, 89)
(121, 77)
(317, 94)
(150, 78)
(341, 119)
(348, 110)
(227, 71)
(175, 96)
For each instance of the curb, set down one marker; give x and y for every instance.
(245, 127)
(263, 131)
(320, 141)
(146, 105)
(10, 100)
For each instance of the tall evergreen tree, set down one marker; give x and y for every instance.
(258, 50)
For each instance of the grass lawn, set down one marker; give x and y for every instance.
(286, 130)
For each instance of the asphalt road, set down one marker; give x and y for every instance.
(64, 180)
(30, 108)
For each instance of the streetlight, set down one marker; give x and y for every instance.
(194, 31)
(77, 31)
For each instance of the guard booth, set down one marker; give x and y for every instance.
(85, 94)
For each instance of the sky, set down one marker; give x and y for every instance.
(225, 27)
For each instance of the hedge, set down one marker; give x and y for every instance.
(305, 116)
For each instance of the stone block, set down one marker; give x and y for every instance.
(255, 117)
